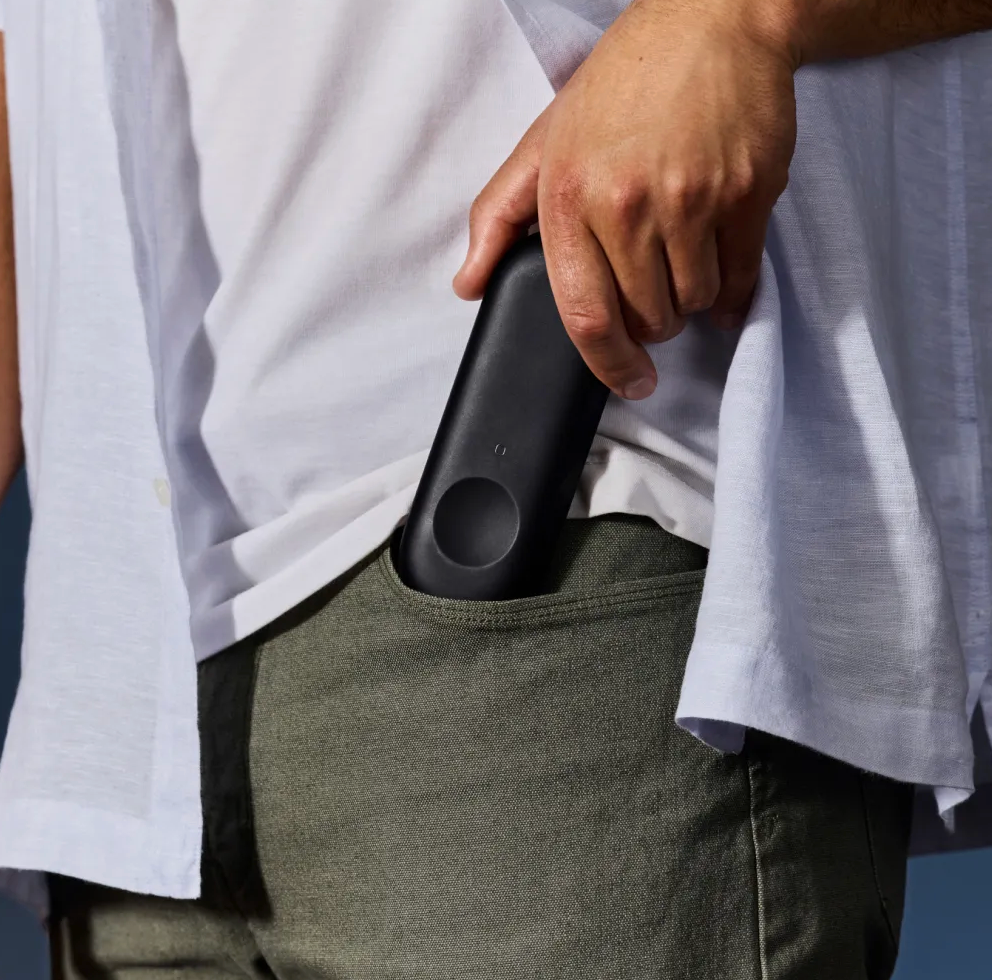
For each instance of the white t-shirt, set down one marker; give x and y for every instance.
(314, 173)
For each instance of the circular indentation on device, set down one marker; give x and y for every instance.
(476, 522)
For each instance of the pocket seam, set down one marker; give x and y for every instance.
(873, 859)
(760, 885)
(544, 608)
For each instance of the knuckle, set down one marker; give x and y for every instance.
(696, 295)
(742, 181)
(588, 326)
(652, 331)
(628, 200)
(686, 193)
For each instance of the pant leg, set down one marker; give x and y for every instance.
(98, 933)
(471, 791)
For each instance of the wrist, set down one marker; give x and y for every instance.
(782, 25)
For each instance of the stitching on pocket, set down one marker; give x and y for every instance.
(541, 609)
(879, 891)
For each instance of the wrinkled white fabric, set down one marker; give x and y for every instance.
(99, 777)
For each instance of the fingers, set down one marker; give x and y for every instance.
(502, 212)
(740, 246)
(586, 294)
(624, 227)
(628, 259)
(644, 288)
(694, 266)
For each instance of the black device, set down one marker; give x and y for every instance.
(509, 452)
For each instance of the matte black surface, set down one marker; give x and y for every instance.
(485, 506)
(513, 440)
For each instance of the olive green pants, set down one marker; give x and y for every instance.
(398, 787)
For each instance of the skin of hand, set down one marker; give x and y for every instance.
(652, 176)
(11, 448)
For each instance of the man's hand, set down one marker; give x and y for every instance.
(653, 175)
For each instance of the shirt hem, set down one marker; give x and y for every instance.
(718, 703)
(125, 853)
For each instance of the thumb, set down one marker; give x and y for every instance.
(504, 209)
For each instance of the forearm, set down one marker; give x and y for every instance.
(11, 448)
(825, 30)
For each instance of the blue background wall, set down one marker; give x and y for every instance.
(948, 919)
